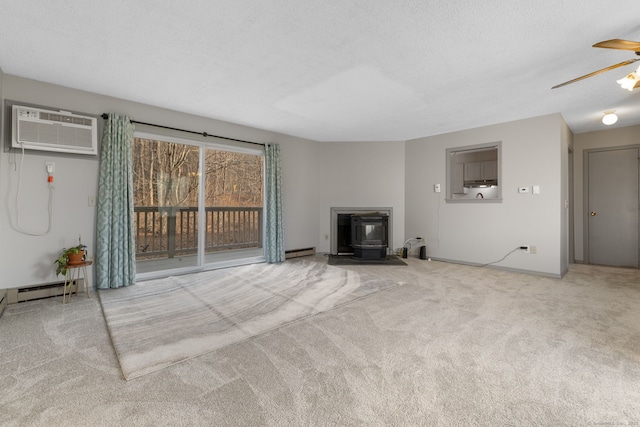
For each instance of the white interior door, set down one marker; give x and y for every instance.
(612, 215)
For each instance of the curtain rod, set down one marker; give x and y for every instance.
(205, 134)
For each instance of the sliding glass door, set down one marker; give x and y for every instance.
(196, 205)
(233, 199)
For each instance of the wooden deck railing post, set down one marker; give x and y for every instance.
(171, 232)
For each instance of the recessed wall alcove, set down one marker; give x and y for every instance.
(336, 211)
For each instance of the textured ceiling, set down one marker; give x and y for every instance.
(334, 70)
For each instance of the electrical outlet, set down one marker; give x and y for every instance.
(533, 249)
(525, 248)
(50, 167)
(92, 200)
(436, 188)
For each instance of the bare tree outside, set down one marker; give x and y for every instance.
(166, 191)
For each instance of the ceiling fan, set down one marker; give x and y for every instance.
(632, 80)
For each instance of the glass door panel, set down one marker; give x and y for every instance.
(166, 187)
(233, 199)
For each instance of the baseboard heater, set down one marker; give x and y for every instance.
(295, 253)
(33, 292)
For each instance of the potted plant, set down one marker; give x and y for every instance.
(70, 256)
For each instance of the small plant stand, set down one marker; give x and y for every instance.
(73, 273)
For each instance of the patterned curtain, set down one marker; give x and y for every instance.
(274, 233)
(115, 241)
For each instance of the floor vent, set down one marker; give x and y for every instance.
(30, 293)
(295, 253)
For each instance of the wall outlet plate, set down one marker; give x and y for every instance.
(523, 189)
(50, 167)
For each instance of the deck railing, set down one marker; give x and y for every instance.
(173, 231)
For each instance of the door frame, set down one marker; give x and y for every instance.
(585, 195)
(203, 145)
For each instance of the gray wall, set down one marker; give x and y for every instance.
(319, 175)
(29, 260)
(532, 154)
(616, 137)
(316, 176)
(360, 174)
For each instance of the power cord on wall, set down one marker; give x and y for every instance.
(17, 207)
(410, 242)
(504, 257)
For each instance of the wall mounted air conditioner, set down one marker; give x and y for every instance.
(48, 130)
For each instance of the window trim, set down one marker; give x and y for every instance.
(232, 147)
(203, 144)
(449, 172)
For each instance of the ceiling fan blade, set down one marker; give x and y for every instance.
(611, 67)
(619, 44)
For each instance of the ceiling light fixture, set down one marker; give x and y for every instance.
(630, 81)
(609, 118)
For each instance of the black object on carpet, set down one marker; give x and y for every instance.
(349, 260)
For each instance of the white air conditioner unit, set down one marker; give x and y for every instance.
(47, 130)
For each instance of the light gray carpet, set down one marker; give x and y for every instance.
(158, 323)
(455, 346)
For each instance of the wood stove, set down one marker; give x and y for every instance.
(369, 236)
(341, 235)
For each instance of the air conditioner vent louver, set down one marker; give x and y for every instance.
(65, 119)
(39, 129)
